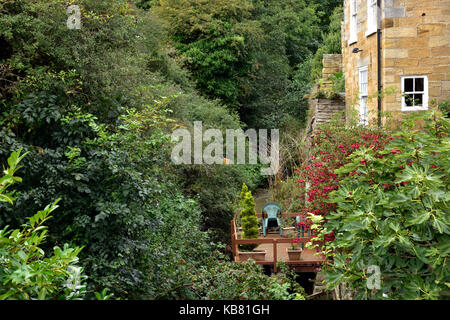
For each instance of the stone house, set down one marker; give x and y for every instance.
(400, 48)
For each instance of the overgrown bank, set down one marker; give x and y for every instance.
(94, 109)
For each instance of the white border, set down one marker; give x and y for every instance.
(353, 36)
(366, 121)
(372, 15)
(425, 93)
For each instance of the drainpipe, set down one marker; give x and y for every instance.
(379, 59)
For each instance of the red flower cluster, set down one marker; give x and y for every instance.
(305, 225)
(330, 149)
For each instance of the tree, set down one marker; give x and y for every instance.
(95, 108)
(331, 42)
(244, 52)
(214, 39)
(291, 34)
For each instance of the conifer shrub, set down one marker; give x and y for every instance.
(242, 195)
(249, 221)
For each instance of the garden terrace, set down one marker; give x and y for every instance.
(275, 247)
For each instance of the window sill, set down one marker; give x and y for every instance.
(370, 32)
(407, 109)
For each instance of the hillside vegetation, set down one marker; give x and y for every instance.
(94, 109)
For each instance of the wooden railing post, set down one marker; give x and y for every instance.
(275, 255)
(306, 263)
(233, 240)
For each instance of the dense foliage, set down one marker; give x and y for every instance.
(26, 271)
(246, 281)
(213, 37)
(391, 210)
(94, 108)
(249, 53)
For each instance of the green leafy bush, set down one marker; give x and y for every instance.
(393, 212)
(26, 271)
(245, 281)
(444, 106)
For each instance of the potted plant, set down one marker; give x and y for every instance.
(257, 255)
(294, 251)
(250, 227)
(287, 226)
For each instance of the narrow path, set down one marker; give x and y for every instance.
(261, 197)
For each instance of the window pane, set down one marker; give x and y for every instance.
(353, 6)
(363, 83)
(418, 99)
(419, 84)
(363, 111)
(409, 85)
(409, 100)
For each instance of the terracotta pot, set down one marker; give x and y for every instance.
(255, 255)
(294, 254)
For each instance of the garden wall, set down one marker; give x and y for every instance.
(324, 110)
(321, 109)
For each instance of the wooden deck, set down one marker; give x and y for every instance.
(275, 247)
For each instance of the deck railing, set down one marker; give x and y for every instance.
(235, 242)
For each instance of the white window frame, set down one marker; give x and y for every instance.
(372, 17)
(353, 22)
(363, 88)
(424, 92)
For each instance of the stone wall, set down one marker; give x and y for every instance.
(415, 40)
(324, 110)
(367, 57)
(332, 63)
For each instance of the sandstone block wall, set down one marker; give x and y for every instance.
(332, 63)
(325, 110)
(415, 40)
(367, 57)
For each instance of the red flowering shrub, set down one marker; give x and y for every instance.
(331, 144)
(392, 221)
